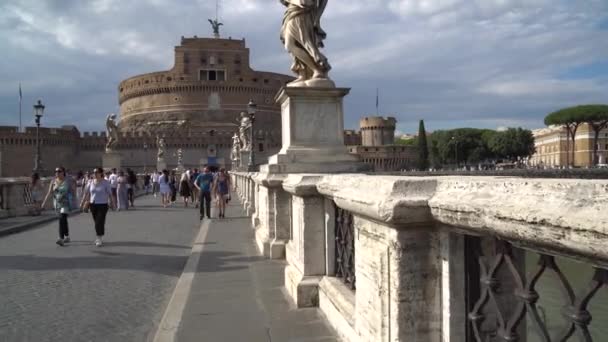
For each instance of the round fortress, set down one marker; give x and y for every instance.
(377, 130)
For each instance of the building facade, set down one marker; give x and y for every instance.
(378, 148)
(195, 106)
(553, 148)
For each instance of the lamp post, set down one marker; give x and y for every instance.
(38, 111)
(145, 157)
(456, 151)
(251, 110)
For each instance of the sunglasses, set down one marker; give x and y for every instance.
(58, 171)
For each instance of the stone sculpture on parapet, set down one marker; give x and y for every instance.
(302, 35)
(244, 128)
(161, 147)
(235, 154)
(215, 24)
(112, 132)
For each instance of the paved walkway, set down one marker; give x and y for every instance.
(237, 295)
(120, 292)
(83, 293)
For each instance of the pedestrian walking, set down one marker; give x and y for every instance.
(184, 188)
(60, 190)
(98, 198)
(195, 192)
(147, 181)
(155, 184)
(173, 185)
(221, 189)
(131, 187)
(203, 183)
(165, 188)
(113, 178)
(122, 193)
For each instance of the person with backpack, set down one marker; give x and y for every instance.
(203, 183)
(61, 190)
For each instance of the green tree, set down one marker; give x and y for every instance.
(512, 143)
(423, 149)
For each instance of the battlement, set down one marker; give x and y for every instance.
(376, 122)
(212, 43)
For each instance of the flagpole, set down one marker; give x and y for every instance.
(20, 100)
(377, 101)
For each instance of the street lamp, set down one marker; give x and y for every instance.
(38, 111)
(456, 150)
(251, 110)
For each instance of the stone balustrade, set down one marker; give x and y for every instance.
(16, 197)
(393, 258)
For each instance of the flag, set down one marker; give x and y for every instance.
(20, 93)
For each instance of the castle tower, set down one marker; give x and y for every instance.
(377, 130)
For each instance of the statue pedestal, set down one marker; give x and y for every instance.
(313, 133)
(161, 164)
(111, 160)
(244, 161)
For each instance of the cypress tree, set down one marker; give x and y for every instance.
(423, 150)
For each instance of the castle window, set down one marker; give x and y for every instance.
(237, 61)
(265, 81)
(212, 75)
(255, 80)
(169, 79)
(241, 80)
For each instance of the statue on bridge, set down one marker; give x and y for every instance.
(302, 35)
(161, 147)
(244, 136)
(235, 154)
(111, 132)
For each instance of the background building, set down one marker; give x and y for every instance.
(378, 146)
(195, 107)
(552, 145)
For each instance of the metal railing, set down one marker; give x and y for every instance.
(505, 291)
(345, 247)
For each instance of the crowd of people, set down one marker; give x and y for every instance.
(101, 191)
(195, 187)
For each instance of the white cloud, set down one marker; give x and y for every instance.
(450, 62)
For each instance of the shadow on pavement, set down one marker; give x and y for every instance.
(162, 264)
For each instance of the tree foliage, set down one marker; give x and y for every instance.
(423, 149)
(473, 146)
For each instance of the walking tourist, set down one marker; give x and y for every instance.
(184, 188)
(147, 181)
(222, 191)
(122, 193)
(60, 189)
(113, 178)
(195, 192)
(80, 182)
(132, 185)
(173, 184)
(155, 184)
(98, 198)
(203, 184)
(165, 188)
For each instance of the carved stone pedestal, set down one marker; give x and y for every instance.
(161, 164)
(111, 160)
(313, 133)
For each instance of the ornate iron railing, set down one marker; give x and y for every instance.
(508, 296)
(345, 247)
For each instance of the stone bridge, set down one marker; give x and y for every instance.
(314, 257)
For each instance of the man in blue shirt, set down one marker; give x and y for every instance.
(203, 183)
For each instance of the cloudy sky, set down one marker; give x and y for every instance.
(453, 63)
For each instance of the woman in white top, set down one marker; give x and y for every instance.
(98, 197)
(165, 188)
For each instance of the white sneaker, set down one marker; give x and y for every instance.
(66, 239)
(98, 242)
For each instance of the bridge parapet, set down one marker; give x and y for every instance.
(394, 258)
(16, 198)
